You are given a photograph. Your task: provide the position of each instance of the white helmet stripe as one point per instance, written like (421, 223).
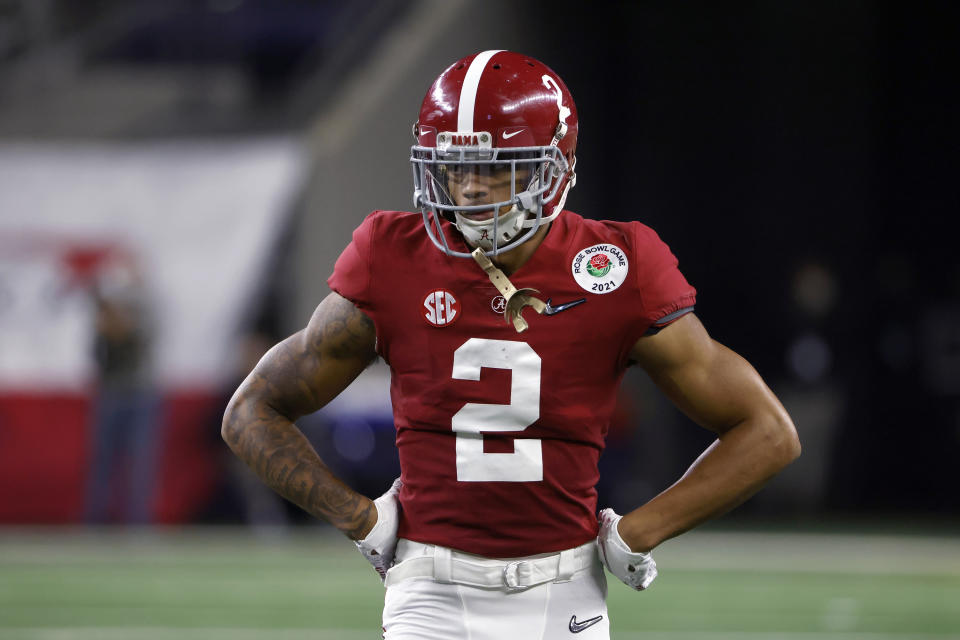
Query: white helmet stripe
(468, 92)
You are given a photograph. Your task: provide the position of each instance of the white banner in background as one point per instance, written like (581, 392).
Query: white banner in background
(199, 218)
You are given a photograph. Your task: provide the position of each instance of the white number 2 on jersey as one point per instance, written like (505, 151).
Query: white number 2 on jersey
(525, 464)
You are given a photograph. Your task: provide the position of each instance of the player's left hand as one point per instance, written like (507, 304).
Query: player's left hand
(636, 569)
(379, 545)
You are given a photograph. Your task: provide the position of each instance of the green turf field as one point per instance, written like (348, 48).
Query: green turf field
(225, 583)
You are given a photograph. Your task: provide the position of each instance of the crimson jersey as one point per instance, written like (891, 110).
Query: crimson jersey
(499, 432)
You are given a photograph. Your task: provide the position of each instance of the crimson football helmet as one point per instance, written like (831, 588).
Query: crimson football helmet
(489, 113)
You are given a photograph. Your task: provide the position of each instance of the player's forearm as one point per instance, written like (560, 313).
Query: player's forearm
(284, 459)
(731, 470)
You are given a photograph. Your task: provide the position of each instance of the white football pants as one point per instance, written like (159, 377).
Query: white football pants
(569, 603)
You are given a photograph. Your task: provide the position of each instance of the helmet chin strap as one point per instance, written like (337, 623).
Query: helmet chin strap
(479, 233)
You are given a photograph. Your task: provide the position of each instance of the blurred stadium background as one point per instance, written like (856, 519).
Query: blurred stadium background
(178, 177)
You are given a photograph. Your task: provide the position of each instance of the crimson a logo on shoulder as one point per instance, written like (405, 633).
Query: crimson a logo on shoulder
(441, 308)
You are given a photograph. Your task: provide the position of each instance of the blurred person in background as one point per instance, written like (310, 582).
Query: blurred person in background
(125, 446)
(492, 530)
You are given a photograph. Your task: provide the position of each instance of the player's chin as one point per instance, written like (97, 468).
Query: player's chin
(477, 216)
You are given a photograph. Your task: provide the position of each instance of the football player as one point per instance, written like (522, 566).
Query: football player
(507, 324)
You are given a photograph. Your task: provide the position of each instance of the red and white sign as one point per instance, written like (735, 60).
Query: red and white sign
(442, 308)
(193, 217)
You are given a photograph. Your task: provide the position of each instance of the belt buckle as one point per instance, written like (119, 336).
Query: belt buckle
(511, 577)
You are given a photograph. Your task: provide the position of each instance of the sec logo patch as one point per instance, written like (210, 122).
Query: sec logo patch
(441, 308)
(601, 268)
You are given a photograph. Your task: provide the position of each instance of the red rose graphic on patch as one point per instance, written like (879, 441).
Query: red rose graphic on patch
(599, 265)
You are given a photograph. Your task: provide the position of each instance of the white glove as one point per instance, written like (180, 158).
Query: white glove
(381, 542)
(635, 569)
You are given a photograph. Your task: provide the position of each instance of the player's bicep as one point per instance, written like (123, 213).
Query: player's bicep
(713, 385)
(304, 372)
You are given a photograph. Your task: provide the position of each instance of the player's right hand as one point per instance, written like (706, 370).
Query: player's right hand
(636, 569)
(379, 545)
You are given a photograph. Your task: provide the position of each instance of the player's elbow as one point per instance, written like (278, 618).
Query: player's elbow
(232, 425)
(783, 441)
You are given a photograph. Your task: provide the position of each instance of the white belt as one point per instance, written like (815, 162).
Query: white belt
(445, 565)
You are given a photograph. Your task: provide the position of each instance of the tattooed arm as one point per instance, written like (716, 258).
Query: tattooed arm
(296, 377)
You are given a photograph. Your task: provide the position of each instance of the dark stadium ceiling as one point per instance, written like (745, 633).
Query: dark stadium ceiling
(159, 67)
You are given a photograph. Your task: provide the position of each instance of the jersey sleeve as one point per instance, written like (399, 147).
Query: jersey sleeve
(353, 272)
(664, 294)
